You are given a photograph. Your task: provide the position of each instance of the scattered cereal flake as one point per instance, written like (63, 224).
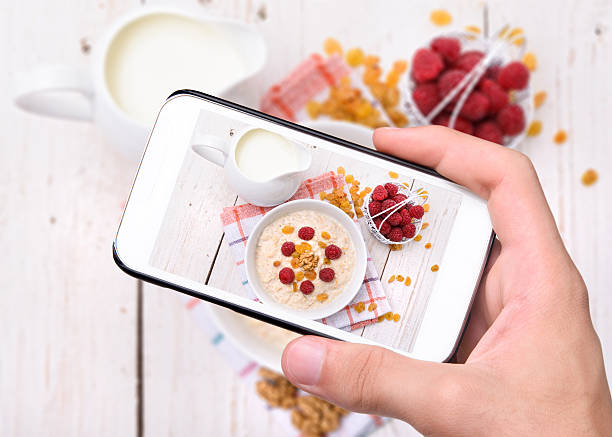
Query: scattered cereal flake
(589, 177)
(395, 247)
(326, 261)
(372, 306)
(514, 32)
(287, 229)
(359, 307)
(418, 237)
(530, 61)
(535, 127)
(435, 268)
(325, 235)
(393, 175)
(389, 315)
(426, 207)
(560, 137)
(408, 281)
(427, 245)
(424, 226)
(440, 17)
(299, 276)
(400, 278)
(473, 29)
(332, 46)
(519, 41)
(322, 297)
(391, 279)
(504, 30)
(322, 245)
(396, 317)
(354, 57)
(295, 286)
(322, 195)
(276, 263)
(381, 318)
(539, 98)
(340, 170)
(348, 178)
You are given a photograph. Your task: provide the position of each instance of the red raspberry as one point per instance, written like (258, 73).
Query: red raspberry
(389, 203)
(446, 47)
(490, 131)
(493, 71)
(286, 275)
(377, 221)
(426, 65)
(396, 234)
(306, 233)
(374, 207)
(498, 97)
(475, 106)
(384, 228)
(416, 211)
(306, 287)
(461, 124)
(448, 81)
(327, 274)
(409, 230)
(391, 189)
(399, 198)
(379, 193)
(513, 76)
(406, 218)
(395, 219)
(287, 248)
(511, 119)
(425, 97)
(333, 252)
(468, 60)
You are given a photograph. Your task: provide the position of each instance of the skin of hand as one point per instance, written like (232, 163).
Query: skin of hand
(530, 362)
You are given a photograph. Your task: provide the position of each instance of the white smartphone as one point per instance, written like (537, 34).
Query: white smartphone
(303, 230)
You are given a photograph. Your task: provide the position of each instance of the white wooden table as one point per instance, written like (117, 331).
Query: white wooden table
(86, 350)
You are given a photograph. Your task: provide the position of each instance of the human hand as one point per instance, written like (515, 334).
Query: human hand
(531, 362)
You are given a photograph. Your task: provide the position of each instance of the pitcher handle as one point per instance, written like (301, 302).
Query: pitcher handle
(210, 147)
(56, 91)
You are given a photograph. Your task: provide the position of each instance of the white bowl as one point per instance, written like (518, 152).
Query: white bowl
(326, 308)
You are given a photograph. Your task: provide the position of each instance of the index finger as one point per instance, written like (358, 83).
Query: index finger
(505, 178)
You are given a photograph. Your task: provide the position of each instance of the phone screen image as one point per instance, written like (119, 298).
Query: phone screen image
(305, 230)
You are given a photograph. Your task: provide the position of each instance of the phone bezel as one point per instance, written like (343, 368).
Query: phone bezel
(322, 136)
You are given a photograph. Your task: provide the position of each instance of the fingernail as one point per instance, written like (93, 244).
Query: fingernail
(304, 360)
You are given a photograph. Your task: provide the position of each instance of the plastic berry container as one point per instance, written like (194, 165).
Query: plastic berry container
(412, 198)
(499, 50)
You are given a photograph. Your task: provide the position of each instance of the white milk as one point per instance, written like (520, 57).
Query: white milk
(161, 53)
(263, 155)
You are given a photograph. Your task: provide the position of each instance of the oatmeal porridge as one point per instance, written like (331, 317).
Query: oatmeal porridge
(304, 259)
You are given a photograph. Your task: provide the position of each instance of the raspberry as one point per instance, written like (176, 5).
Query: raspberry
(425, 97)
(286, 275)
(406, 218)
(333, 252)
(468, 60)
(377, 221)
(306, 233)
(493, 71)
(385, 228)
(391, 189)
(374, 207)
(449, 80)
(426, 65)
(475, 106)
(379, 193)
(511, 119)
(513, 76)
(399, 198)
(490, 131)
(461, 124)
(287, 248)
(396, 234)
(498, 97)
(327, 274)
(389, 203)
(395, 219)
(409, 230)
(416, 211)
(446, 47)
(306, 287)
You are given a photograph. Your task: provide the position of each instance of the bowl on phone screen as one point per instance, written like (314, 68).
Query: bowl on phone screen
(324, 270)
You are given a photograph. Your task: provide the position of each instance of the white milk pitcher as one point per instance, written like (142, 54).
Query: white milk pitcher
(142, 58)
(263, 167)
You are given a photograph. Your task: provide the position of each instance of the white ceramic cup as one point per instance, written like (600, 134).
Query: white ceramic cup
(271, 192)
(72, 93)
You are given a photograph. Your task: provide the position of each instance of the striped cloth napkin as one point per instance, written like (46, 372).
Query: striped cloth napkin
(239, 221)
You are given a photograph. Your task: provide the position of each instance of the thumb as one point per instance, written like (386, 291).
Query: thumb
(371, 379)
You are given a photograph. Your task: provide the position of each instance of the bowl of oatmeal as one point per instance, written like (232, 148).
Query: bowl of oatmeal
(307, 258)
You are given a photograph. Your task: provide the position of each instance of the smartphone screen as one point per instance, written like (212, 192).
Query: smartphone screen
(303, 229)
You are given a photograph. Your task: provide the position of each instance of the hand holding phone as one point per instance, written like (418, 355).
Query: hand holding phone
(533, 362)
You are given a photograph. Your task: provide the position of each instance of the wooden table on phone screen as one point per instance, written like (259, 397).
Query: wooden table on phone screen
(87, 350)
